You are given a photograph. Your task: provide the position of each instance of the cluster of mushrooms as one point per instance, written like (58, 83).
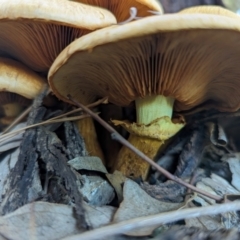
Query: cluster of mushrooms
(127, 51)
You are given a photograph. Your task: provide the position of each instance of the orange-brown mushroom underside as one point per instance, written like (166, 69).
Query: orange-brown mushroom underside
(192, 66)
(37, 43)
(35, 32)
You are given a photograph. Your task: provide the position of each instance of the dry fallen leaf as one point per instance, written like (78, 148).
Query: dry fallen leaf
(218, 186)
(88, 163)
(42, 220)
(117, 179)
(7, 162)
(13, 141)
(234, 165)
(96, 190)
(138, 203)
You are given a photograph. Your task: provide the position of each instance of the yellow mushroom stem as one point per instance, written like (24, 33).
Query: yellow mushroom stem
(152, 107)
(88, 132)
(12, 109)
(5, 121)
(154, 126)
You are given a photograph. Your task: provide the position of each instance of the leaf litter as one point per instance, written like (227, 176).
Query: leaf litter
(49, 168)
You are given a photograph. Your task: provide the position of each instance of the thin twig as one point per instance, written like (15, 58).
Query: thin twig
(116, 136)
(155, 221)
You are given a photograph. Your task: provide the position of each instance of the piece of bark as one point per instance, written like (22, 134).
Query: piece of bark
(191, 154)
(53, 154)
(168, 158)
(169, 191)
(22, 176)
(42, 155)
(74, 143)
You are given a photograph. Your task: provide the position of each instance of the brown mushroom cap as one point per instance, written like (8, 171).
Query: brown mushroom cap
(193, 58)
(35, 32)
(18, 85)
(121, 8)
(16, 78)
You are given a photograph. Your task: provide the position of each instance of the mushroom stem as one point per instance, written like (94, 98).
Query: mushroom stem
(12, 109)
(132, 165)
(154, 126)
(88, 132)
(153, 107)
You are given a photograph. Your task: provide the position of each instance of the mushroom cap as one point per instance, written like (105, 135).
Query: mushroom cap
(35, 32)
(120, 8)
(209, 10)
(193, 58)
(16, 78)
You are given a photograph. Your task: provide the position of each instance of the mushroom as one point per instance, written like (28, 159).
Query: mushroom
(209, 10)
(35, 32)
(163, 63)
(121, 8)
(18, 85)
(11, 106)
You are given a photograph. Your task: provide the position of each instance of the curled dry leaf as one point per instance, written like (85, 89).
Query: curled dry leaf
(217, 134)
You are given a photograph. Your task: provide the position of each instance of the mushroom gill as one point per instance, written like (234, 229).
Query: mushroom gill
(162, 66)
(36, 37)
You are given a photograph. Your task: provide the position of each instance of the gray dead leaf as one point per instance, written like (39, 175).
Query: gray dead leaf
(203, 200)
(96, 191)
(12, 141)
(215, 185)
(117, 179)
(42, 220)
(206, 222)
(88, 163)
(98, 216)
(7, 162)
(39, 220)
(138, 203)
(231, 220)
(234, 165)
(219, 185)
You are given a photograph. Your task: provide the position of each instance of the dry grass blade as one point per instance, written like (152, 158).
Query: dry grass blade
(155, 220)
(4, 137)
(17, 120)
(52, 120)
